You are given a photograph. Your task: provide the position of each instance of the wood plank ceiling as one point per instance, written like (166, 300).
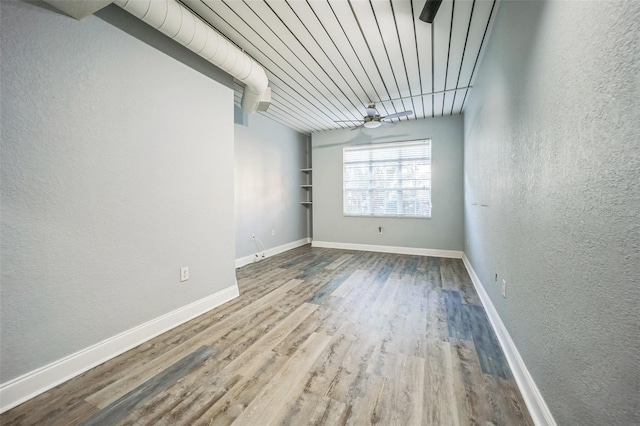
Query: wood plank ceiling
(326, 60)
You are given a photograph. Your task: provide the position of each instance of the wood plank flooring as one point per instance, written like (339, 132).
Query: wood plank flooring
(317, 336)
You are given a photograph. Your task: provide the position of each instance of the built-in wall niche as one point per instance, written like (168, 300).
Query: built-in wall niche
(308, 187)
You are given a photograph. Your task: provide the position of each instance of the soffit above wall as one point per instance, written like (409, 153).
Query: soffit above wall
(79, 9)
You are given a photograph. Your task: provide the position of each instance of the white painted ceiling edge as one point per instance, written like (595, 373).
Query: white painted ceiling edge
(178, 23)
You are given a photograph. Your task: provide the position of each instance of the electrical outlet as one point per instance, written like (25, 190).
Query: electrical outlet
(504, 288)
(184, 274)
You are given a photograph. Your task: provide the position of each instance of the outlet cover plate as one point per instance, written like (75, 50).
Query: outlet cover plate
(184, 274)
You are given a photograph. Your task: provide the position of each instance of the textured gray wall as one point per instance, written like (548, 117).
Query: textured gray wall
(443, 231)
(268, 159)
(552, 147)
(133, 26)
(116, 171)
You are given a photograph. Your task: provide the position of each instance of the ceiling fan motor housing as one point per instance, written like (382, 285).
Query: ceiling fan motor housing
(372, 111)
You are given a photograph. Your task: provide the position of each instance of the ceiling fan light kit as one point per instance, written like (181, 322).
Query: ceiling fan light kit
(372, 124)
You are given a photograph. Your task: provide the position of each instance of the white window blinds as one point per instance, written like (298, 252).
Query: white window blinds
(388, 180)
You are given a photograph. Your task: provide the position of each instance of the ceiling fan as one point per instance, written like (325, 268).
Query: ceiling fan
(373, 118)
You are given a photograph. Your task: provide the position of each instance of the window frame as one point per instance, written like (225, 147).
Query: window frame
(398, 189)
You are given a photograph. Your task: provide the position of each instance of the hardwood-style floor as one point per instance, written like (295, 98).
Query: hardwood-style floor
(317, 336)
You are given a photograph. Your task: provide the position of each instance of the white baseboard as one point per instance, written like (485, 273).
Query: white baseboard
(538, 408)
(270, 252)
(29, 385)
(390, 249)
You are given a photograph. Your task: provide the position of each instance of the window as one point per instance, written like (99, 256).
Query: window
(388, 180)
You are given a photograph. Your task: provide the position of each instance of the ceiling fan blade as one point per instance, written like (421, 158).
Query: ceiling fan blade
(347, 121)
(387, 124)
(397, 114)
(357, 127)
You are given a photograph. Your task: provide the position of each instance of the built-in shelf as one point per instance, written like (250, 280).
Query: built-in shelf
(307, 186)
